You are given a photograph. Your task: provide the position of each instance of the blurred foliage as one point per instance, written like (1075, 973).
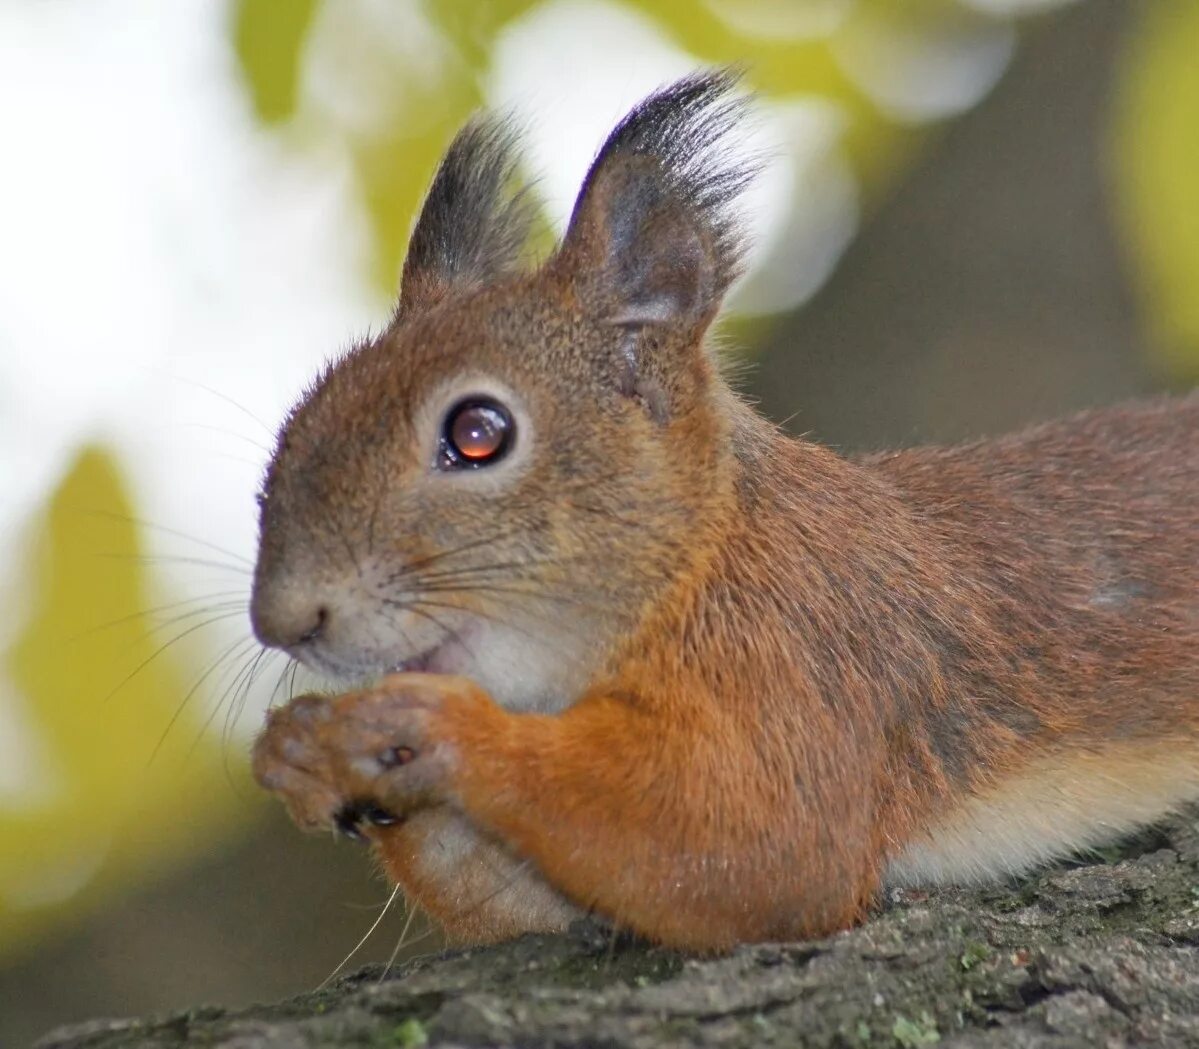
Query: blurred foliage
(268, 37)
(394, 161)
(126, 783)
(1156, 152)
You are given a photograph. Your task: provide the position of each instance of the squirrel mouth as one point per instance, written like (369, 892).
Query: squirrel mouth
(447, 656)
(418, 664)
(421, 663)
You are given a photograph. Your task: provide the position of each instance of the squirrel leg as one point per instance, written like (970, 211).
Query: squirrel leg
(475, 888)
(675, 825)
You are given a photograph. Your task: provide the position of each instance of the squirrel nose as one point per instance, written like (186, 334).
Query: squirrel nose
(283, 617)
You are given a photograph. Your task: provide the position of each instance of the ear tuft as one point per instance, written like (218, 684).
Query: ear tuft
(655, 217)
(472, 227)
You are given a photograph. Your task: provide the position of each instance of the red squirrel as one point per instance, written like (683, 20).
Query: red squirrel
(640, 653)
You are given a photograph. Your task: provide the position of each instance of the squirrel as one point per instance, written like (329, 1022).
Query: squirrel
(638, 652)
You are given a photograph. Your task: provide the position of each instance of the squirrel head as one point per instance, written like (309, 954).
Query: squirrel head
(500, 482)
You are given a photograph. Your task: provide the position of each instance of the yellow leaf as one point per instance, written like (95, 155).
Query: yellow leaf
(116, 794)
(268, 37)
(1156, 140)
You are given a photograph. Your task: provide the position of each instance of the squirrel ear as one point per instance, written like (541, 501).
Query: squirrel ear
(471, 228)
(652, 239)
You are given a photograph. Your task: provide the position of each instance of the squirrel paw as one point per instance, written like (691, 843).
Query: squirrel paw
(387, 741)
(290, 761)
(362, 759)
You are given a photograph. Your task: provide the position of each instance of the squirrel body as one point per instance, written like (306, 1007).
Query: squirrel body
(655, 659)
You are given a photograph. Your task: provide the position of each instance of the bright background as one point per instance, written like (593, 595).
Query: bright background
(979, 212)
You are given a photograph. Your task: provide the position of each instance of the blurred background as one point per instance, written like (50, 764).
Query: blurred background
(979, 213)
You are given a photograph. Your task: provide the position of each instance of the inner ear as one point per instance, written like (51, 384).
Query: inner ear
(659, 268)
(652, 262)
(653, 239)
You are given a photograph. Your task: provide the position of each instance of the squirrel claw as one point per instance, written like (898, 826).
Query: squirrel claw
(379, 816)
(346, 822)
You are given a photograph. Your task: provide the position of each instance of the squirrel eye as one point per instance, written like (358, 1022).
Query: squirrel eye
(476, 433)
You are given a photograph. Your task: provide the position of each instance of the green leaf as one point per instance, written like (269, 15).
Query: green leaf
(268, 36)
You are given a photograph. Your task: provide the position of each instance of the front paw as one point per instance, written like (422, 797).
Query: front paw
(362, 759)
(389, 744)
(289, 760)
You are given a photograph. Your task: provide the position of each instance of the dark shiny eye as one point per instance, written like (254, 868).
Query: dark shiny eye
(476, 432)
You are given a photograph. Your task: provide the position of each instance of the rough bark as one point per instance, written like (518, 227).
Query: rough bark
(1105, 954)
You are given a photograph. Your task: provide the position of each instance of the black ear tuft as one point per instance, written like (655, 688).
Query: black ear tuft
(655, 217)
(472, 227)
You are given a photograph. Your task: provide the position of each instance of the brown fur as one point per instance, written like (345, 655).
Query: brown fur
(748, 680)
